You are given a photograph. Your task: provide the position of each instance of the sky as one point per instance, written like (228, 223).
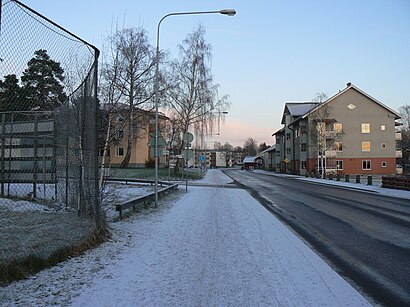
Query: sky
(270, 52)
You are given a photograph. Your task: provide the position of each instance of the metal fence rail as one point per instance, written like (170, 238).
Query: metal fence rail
(49, 193)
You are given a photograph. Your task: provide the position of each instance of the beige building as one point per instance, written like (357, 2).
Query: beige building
(350, 133)
(144, 130)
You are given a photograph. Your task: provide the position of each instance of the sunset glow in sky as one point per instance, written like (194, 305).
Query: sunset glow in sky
(271, 51)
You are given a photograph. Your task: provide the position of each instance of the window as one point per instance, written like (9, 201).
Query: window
(339, 164)
(288, 151)
(366, 146)
(383, 127)
(365, 128)
(101, 152)
(383, 145)
(302, 129)
(384, 164)
(338, 127)
(302, 164)
(120, 134)
(351, 106)
(287, 136)
(366, 165)
(339, 146)
(303, 147)
(120, 151)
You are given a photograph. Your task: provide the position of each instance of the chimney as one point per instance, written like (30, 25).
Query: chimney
(348, 84)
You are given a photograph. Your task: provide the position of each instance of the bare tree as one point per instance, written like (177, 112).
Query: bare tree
(325, 133)
(250, 147)
(405, 136)
(130, 78)
(405, 116)
(111, 98)
(320, 97)
(193, 98)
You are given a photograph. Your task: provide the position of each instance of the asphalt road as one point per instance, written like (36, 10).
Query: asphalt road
(364, 236)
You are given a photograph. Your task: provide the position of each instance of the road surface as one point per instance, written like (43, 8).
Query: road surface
(364, 235)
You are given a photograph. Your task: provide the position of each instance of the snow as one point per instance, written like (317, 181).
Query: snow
(210, 246)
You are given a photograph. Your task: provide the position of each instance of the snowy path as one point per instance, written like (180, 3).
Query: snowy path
(214, 246)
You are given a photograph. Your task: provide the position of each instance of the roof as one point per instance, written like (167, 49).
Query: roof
(297, 109)
(351, 86)
(269, 149)
(249, 159)
(280, 130)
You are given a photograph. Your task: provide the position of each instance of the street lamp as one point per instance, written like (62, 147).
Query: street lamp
(228, 12)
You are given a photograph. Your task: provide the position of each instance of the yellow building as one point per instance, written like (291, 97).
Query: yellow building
(141, 132)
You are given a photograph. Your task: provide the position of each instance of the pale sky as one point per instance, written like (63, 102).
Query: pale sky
(271, 51)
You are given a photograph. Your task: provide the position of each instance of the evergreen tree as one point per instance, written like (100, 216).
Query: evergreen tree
(42, 82)
(10, 94)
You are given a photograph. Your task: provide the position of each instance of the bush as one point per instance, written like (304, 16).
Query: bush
(150, 163)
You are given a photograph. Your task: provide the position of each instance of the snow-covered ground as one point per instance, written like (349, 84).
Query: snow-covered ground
(210, 246)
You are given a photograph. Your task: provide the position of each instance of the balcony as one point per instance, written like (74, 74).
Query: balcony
(399, 153)
(331, 153)
(398, 136)
(330, 134)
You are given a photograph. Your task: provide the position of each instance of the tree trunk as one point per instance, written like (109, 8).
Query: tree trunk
(126, 161)
(106, 144)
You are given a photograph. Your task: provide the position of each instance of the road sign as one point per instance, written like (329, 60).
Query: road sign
(202, 158)
(188, 137)
(188, 154)
(286, 160)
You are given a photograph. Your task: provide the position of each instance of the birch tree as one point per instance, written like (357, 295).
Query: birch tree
(193, 98)
(324, 134)
(130, 77)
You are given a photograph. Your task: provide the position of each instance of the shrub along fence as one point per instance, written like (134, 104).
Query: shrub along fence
(396, 182)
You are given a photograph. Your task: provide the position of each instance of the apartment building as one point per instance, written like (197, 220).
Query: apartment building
(349, 133)
(143, 131)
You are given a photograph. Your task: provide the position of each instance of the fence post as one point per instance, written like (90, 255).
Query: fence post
(35, 149)
(186, 186)
(338, 177)
(10, 153)
(357, 178)
(369, 180)
(347, 179)
(3, 141)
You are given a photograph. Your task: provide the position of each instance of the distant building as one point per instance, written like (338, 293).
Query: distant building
(212, 158)
(267, 159)
(249, 162)
(351, 133)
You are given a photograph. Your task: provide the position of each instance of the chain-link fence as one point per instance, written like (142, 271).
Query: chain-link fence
(49, 194)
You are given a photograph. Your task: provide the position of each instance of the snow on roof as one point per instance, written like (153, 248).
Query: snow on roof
(249, 159)
(269, 149)
(297, 109)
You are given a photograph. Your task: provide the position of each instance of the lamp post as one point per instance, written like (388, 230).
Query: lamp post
(228, 12)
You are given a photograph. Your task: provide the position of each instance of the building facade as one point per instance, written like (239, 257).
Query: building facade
(349, 133)
(143, 131)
